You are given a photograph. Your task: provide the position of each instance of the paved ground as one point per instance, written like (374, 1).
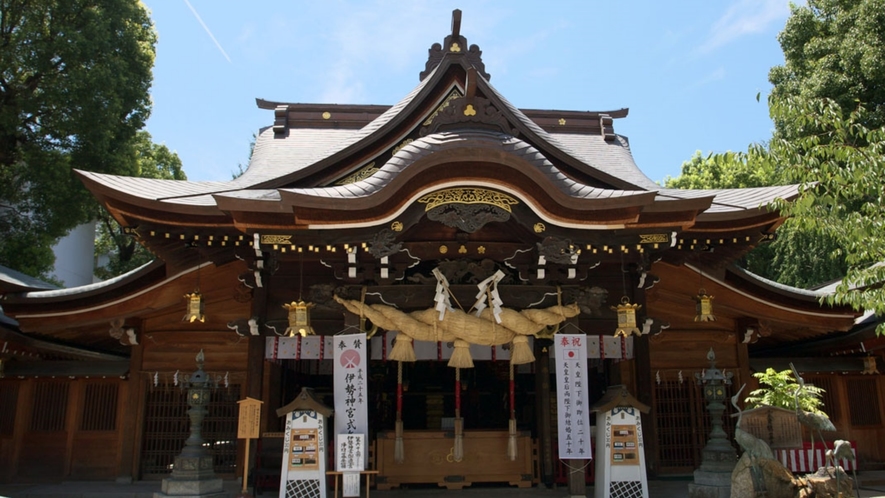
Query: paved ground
(872, 486)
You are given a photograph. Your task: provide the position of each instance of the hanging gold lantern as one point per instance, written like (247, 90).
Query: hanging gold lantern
(299, 318)
(626, 318)
(869, 365)
(704, 307)
(194, 307)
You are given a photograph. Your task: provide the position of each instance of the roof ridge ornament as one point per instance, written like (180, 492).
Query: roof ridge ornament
(454, 44)
(469, 110)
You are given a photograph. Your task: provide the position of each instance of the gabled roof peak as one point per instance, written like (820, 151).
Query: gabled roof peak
(454, 45)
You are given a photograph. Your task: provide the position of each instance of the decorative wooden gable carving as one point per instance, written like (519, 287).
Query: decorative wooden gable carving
(467, 209)
(469, 110)
(454, 44)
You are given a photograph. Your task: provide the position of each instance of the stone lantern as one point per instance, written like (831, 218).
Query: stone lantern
(713, 478)
(193, 473)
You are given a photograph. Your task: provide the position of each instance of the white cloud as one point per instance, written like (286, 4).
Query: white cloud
(208, 32)
(717, 75)
(745, 17)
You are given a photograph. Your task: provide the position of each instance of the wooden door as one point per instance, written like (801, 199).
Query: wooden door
(682, 423)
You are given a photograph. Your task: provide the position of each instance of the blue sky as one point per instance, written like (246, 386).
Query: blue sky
(689, 71)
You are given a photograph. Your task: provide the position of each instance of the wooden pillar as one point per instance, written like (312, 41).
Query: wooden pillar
(577, 483)
(644, 389)
(542, 407)
(132, 418)
(22, 421)
(255, 370)
(743, 358)
(255, 367)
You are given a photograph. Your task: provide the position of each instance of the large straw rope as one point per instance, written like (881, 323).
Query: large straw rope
(424, 325)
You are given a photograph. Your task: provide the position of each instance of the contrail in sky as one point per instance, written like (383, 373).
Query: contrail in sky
(207, 29)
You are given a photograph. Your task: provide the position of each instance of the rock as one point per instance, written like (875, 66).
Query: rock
(777, 480)
(822, 484)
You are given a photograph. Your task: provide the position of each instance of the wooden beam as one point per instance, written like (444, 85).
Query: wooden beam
(542, 410)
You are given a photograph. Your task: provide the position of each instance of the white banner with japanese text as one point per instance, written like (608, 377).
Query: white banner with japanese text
(572, 397)
(351, 384)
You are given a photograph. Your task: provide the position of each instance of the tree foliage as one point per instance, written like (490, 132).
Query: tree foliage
(779, 388)
(124, 253)
(718, 171)
(833, 49)
(801, 257)
(828, 106)
(74, 81)
(839, 163)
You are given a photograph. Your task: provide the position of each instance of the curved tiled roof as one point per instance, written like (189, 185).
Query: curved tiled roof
(283, 155)
(94, 288)
(438, 142)
(613, 157)
(273, 157)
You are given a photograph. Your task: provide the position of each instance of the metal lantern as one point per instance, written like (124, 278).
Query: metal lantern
(704, 307)
(869, 366)
(626, 318)
(299, 318)
(194, 307)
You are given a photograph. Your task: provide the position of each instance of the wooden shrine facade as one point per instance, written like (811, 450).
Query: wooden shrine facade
(373, 205)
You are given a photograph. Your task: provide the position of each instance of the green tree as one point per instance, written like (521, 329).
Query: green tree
(123, 251)
(828, 106)
(718, 171)
(839, 163)
(834, 63)
(74, 81)
(779, 388)
(801, 257)
(833, 49)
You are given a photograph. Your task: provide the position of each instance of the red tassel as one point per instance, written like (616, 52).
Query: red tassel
(512, 395)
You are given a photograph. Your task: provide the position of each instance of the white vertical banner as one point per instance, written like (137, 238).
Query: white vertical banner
(351, 384)
(573, 408)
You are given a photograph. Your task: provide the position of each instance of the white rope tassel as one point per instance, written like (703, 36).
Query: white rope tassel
(442, 296)
(488, 291)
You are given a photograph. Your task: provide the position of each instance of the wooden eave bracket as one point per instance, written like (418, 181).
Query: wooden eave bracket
(280, 122)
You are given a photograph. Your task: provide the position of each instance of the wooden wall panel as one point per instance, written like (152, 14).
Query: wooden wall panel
(9, 396)
(95, 455)
(170, 351)
(7, 456)
(870, 439)
(687, 351)
(219, 310)
(43, 456)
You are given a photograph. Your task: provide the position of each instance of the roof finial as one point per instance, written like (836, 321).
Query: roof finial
(454, 44)
(456, 24)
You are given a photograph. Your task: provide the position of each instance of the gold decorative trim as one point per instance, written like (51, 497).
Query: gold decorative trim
(455, 48)
(654, 238)
(454, 94)
(540, 228)
(276, 239)
(401, 145)
(396, 226)
(359, 175)
(468, 196)
(327, 115)
(443, 249)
